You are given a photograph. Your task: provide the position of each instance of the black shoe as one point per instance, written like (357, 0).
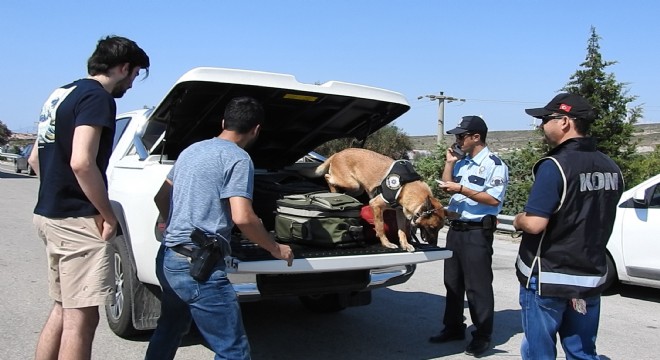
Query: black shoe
(477, 347)
(446, 336)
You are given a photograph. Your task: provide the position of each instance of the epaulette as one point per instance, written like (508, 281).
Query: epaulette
(495, 159)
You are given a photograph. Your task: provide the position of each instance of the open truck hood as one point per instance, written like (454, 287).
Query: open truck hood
(299, 117)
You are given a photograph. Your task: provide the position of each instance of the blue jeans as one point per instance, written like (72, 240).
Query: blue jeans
(543, 317)
(212, 304)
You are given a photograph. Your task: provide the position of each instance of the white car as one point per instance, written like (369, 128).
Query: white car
(634, 246)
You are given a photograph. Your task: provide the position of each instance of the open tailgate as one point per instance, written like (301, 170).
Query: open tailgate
(337, 263)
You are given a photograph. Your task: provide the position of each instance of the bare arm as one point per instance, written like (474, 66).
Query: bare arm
(250, 225)
(162, 199)
(83, 163)
(33, 160)
(481, 197)
(529, 223)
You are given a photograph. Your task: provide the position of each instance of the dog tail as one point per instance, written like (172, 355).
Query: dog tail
(315, 172)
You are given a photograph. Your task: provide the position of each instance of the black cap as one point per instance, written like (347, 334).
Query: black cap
(472, 123)
(572, 105)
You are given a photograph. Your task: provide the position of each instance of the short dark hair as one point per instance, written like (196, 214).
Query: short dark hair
(582, 126)
(116, 50)
(242, 114)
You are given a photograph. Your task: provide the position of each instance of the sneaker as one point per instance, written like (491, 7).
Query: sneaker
(477, 347)
(446, 336)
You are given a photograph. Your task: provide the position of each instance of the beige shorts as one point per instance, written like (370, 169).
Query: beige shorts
(80, 269)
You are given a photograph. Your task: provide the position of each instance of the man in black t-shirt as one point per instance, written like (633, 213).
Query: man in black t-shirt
(73, 215)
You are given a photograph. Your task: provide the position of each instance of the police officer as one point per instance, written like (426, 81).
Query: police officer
(477, 178)
(566, 223)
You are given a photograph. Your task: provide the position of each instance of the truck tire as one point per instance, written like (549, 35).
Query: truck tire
(31, 171)
(16, 169)
(120, 312)
(324, 303)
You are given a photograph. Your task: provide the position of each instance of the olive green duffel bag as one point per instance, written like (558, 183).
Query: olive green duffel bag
(319, 219)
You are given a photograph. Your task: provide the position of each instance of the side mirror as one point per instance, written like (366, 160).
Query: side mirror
(640, 197)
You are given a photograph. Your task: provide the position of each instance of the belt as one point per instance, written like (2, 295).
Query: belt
(466, 225)
(183, 250)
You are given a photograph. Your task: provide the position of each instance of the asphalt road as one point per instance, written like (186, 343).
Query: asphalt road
(395, 326)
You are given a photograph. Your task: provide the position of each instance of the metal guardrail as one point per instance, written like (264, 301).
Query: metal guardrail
(505, 223)
(9, 155)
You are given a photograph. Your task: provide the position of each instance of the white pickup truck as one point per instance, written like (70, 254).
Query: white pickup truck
(299, 118)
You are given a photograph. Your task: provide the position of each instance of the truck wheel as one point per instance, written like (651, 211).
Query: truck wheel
(325, 303)
(30, 171)
(16, 169)
(612, 277)
(120, 312)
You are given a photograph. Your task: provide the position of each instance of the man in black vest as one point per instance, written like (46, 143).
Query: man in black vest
(566, 224)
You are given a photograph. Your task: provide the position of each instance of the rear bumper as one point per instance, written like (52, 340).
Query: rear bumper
(247, 288)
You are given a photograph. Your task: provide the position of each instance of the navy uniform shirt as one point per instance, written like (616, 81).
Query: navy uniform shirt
(485, 173)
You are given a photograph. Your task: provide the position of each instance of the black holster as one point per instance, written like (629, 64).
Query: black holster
(205, 255)
(489, 222)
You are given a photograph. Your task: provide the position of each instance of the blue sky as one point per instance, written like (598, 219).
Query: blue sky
(501, 56)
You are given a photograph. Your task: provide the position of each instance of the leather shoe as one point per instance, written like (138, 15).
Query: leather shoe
(477, 347)
(446, 336)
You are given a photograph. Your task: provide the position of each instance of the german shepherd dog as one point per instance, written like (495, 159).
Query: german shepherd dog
(354, 171)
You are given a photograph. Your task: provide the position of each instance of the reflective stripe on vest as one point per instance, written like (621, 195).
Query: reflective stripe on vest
(561, 279)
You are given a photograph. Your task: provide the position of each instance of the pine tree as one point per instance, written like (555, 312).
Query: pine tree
(613, 128)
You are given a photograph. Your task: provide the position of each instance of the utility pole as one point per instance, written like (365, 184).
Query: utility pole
(441, 110)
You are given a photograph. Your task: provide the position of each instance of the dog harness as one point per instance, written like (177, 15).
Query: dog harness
(400, 173)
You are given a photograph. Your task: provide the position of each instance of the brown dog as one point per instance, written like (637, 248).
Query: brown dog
(354, 171)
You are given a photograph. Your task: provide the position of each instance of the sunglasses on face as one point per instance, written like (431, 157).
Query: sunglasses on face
(545, 119)
(463, 136)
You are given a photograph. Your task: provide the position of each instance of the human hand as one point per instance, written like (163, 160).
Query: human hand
(451, 156)
(107, 227)
(283, 252)
(109, 230)
(448, 186)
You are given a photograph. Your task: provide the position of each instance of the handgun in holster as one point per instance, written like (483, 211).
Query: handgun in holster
(206, 255)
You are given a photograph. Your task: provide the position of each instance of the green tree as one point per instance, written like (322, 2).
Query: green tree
(389, 140)
(613, 128)
(520, 163)
(430, 168)
(5, 134)
(642, 167)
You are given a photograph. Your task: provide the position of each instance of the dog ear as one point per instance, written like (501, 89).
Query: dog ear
(428, 204)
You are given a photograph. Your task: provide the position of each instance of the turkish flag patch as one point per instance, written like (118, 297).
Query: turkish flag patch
(565, 107)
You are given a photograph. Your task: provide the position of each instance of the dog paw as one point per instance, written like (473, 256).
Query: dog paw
(390, 245)
(410, 248)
